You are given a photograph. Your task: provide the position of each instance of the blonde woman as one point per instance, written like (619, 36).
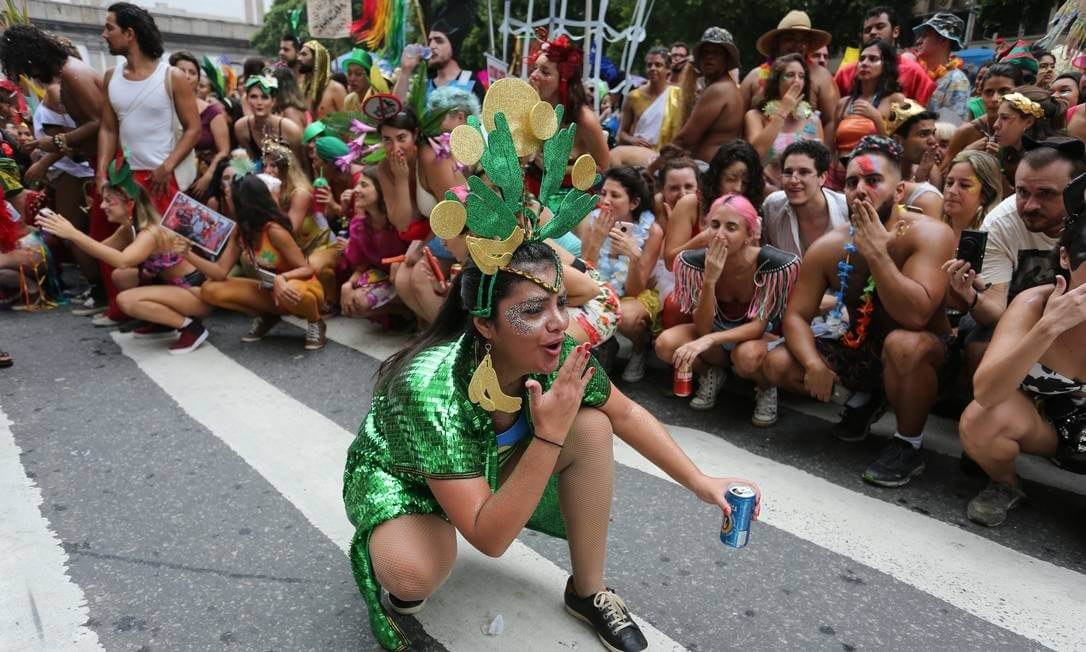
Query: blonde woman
(157, 283)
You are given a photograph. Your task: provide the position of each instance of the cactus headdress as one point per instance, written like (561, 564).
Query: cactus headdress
(515, 123)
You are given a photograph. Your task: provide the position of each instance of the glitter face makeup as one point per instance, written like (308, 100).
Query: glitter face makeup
(525, 317)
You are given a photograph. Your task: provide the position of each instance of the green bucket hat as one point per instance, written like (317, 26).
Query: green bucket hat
(358, 57)
(314, 129)
(329, 148)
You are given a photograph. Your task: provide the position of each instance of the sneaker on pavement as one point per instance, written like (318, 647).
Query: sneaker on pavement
(103, 320)
(89, 307)
(856, 422)
(314, 335)
(990, 506)
(608, 615)
(404, 607)
(765, 407)
(898, 463)
(635, 368)
(148, 331)
(192, 336)
(709, 385)
(262, 325)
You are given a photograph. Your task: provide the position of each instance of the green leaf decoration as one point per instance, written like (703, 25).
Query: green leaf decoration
(502, 164)
(338, 124)
(488, 216)
(575, 206)
(375, 157)
(295, 18)
(556, 158)
(431, 123)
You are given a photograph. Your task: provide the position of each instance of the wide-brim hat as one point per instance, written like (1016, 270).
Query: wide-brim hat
(796, 22)
(722, 37)
(946, 25)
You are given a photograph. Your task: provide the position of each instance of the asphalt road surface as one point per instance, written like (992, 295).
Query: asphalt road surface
(158, 502)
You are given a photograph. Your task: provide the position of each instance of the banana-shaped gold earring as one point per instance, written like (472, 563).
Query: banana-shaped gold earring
(485, 390)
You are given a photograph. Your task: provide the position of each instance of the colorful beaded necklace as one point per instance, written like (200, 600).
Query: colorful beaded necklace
(867, 306)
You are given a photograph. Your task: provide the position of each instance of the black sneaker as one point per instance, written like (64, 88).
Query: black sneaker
(856, 422)
(898, 463)
(404, 607)
(608, 615)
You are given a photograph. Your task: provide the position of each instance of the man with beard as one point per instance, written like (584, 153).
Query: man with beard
(324, 94)
(289, 45)
(27, 50)
(885, 269)
(443, 69)
(717, 116)
(794, 35)
(678, 57)
(881, 23)
(1022, 231)
(913, 128)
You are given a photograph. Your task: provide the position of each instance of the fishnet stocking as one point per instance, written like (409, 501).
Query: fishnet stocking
(412, 555)
(585, 480)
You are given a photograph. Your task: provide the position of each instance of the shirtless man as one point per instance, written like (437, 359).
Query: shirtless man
(325, 95)
(896, 339)
(717, 116)
(795, 36)
(80, 98)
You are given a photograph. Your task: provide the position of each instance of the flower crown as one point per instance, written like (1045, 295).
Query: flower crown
(514, 123)
(1024, 105)
(567, 58)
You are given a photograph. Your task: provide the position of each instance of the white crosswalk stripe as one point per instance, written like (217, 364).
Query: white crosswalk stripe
(1031, 597)
(40, 607)
(301, 453)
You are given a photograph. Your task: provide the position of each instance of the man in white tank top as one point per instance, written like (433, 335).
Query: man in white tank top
(139, 116)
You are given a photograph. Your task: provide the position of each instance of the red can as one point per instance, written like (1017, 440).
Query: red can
(683, 382)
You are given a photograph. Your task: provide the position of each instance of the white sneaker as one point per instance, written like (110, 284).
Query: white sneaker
(103, 320)
(90, 307)
(765, 407)
(709, 386)
(635, 368)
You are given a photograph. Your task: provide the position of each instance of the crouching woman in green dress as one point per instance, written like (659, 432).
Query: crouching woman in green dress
(448, 447)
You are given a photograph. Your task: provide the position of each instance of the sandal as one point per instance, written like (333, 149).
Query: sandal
(5, 360)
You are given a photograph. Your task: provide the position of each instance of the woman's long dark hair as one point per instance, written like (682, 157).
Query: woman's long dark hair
(454, 320)
(887, 83)
(634, 184)
(730, 152)
(576, 98)
(773, 84)
(254, 207)
(289, 94)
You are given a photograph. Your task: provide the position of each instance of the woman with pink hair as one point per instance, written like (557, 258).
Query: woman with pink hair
(736, 289)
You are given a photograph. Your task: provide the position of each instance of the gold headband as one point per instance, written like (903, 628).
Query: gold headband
(1023, 104)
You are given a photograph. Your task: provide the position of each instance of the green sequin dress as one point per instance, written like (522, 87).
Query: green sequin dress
(423, 426)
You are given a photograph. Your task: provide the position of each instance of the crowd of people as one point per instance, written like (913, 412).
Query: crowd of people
(904, 233)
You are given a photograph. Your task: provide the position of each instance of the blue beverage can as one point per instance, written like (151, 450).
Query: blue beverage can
(735, 531)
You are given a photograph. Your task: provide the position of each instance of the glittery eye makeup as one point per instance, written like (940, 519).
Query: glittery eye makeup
(527, 317)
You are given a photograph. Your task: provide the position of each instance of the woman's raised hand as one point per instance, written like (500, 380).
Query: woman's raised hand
(56, 224)
(553, 411)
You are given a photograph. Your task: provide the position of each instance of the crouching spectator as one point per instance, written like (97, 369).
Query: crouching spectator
(1029, 396)
(737, 292)
(372, 239)
(885, 269)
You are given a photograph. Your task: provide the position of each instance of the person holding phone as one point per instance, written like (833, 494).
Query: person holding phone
(973, 188)
(283, 283)
(1029, 394)
(623, 243)
(157, 284)
(736, 289)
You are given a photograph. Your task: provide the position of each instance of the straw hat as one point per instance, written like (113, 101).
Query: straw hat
(796, 22)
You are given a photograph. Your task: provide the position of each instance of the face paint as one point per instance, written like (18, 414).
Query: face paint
(524, 317)
(867, 165)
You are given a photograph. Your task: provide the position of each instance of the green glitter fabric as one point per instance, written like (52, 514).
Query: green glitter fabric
(423, 426)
